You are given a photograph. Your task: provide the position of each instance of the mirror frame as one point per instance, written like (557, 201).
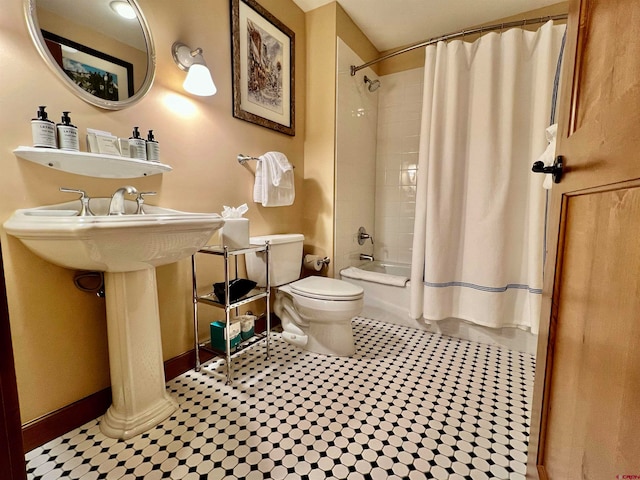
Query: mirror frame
(36, 35)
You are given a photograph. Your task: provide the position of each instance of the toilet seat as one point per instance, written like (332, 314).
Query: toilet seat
(323, 288)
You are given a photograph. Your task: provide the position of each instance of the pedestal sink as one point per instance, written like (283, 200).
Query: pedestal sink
(127, 248)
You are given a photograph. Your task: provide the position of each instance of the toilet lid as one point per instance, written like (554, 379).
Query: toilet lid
(327, 288)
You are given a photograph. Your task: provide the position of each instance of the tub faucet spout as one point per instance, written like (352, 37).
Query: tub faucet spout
(116, 206)
(364, 256)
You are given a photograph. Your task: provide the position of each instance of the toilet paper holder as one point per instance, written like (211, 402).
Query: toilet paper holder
(316, 262)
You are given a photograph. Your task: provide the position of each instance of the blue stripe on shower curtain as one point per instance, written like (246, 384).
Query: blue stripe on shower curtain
(484, 288)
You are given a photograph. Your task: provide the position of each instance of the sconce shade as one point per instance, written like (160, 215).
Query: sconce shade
(199, 81)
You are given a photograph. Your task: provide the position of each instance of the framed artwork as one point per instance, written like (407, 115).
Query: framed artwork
(98, 73)
(263, 51)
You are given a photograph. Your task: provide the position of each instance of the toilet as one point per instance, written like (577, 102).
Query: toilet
(315, 312)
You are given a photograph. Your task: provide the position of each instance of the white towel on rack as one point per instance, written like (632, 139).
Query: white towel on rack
(257, 184)
(274, 184)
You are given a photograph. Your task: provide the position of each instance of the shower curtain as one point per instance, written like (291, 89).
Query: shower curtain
(478, 236)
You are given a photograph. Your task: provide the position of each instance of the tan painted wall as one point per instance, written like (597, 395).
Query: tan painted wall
(415, 58)
(59, 333)
(320, 142)
(324, 25)
(349, 32)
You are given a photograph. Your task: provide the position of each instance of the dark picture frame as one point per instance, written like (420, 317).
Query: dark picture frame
(263, 67)
(98, 73)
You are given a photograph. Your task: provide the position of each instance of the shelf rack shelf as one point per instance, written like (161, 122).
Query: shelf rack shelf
(91, 164)
(211, 299)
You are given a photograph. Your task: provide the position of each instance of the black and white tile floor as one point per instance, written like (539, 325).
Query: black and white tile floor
(409, 404)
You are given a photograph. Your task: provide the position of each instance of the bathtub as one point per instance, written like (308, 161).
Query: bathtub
(385, 302)
(390, 303)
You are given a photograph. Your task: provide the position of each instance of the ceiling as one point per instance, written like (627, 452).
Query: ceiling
(390, 24)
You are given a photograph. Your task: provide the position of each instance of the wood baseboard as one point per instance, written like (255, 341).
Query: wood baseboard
(46, 428)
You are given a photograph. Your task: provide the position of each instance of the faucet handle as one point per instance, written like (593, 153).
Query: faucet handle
(82, 193)
(363, 235)
(85, 211)
(141, 195)
(140, 201)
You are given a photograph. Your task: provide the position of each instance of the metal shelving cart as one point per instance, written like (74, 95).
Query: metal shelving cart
(228, 305)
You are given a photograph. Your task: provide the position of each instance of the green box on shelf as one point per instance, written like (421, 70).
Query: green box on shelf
(218, 338)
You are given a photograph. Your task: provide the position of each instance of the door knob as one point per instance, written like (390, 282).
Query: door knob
(555, 170)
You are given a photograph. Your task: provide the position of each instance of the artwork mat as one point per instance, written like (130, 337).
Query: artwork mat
(243, 108)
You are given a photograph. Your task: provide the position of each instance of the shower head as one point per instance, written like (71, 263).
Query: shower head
(373, 84)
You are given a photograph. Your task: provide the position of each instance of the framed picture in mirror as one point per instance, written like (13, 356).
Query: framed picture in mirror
(97, 73)
(263, 52)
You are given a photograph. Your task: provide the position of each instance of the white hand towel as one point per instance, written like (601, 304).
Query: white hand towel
(257, 185)
(277, 180)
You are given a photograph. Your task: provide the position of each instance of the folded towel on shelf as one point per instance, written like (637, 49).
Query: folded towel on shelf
(376, 277)
(274, 184)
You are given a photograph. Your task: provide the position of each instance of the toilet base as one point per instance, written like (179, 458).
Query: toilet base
(331, 339)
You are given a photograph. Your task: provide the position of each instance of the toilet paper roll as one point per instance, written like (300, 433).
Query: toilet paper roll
(313, 262)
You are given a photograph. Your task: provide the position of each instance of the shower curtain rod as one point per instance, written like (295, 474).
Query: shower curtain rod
(462, 33)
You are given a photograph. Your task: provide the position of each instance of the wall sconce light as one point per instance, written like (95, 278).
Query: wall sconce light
(198, 81)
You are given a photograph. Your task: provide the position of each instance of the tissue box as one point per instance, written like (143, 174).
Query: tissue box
(218, 337)
(235, 233)
(247, 325)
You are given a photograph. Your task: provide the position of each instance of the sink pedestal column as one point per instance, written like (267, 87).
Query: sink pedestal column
(140, 398)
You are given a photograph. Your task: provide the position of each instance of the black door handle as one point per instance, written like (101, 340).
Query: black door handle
(555, 170)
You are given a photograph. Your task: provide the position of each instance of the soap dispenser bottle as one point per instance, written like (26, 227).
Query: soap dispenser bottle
(153, 148)
(137, 145)
(67, 134)
(43, 130)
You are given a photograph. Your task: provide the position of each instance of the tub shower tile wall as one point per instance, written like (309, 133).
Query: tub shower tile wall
(356, 124)
(408, 404)
(398, 141)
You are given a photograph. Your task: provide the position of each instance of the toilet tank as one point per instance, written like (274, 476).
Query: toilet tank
(286, 259)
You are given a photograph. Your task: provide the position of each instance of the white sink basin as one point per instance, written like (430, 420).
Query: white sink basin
(117, 243)
(126, 248)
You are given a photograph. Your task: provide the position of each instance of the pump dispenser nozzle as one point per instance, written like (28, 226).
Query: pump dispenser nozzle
(42, 114)
(66, 120)
(136, 132)
(150, 136)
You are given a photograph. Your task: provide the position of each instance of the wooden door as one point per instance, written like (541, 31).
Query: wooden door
(586, 407)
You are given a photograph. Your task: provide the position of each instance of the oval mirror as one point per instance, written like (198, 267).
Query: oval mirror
(106, 59)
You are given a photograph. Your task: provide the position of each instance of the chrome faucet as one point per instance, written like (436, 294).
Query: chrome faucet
(116, 206)
(364, 256)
